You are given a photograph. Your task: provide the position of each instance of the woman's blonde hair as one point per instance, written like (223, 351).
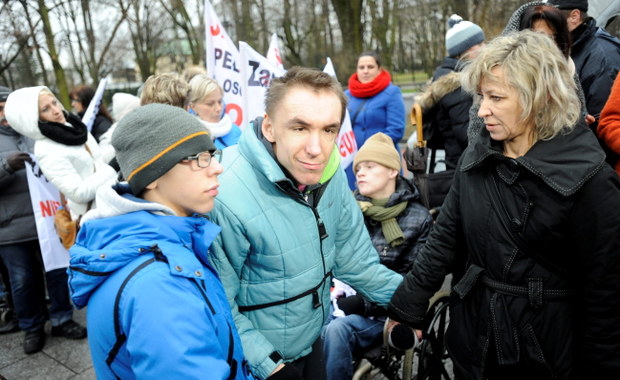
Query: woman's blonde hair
(200, 86)
(168, 88)
(533, 65)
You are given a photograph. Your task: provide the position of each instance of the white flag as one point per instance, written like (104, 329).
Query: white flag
(273, 54)
(257, 73)
(45, 201)
(93, 108)
(223, 63)
(346, 139)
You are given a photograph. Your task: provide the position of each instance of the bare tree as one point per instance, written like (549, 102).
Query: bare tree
(59, 72)
(16, 39)
(383, 23)
(194, 36)
(147, 26)
(349, 15)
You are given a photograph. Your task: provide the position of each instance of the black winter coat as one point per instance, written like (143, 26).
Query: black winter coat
(596, 54)
(563, 202)
(17, 222)
(447, 105)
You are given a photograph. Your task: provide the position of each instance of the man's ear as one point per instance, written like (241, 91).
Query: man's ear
(267, 129)
(574, 18)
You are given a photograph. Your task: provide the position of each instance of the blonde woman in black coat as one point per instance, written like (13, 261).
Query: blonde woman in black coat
(535, 213)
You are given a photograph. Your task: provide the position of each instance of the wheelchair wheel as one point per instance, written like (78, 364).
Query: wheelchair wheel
(433, 360)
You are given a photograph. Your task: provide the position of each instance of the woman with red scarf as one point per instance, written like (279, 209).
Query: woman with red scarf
(375, 104)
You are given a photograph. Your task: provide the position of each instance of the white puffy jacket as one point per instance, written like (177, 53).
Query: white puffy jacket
(71, 169)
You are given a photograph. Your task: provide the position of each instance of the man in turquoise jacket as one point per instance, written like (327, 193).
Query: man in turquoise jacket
(290, 223)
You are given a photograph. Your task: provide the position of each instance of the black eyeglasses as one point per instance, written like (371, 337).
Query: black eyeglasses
(204, 158)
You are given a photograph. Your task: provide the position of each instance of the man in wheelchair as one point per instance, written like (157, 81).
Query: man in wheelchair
(398, 225)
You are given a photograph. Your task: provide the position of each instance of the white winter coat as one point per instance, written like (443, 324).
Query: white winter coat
(71, 169)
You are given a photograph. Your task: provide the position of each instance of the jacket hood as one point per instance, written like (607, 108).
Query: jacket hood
(107, 244)
(22, 111)
(438, 89)
(564, 163)
(515, 20)
(405, 192)
(118, 200)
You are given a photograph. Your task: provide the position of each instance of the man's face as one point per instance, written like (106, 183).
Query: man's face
(3, 121)
(303, 130)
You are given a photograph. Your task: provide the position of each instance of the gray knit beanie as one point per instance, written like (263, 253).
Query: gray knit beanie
(582, 5)
(462, 35)
(150, 140)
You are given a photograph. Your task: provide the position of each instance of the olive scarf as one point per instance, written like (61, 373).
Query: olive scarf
(376, 210)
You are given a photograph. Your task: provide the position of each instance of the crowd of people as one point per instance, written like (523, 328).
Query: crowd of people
(208, 249)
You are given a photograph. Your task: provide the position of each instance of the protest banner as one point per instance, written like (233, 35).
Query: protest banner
(45, 201)
(223, 62)
(346, 139)
(257, 73)
(93, 107)
(273, 53)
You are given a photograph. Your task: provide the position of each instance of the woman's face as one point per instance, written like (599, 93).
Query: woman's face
(367, 69)
(501, 110)
(543, 27)
(50, 109)
(210, 107)
(77, 105)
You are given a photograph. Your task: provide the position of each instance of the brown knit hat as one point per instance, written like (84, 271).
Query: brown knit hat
(378, 148)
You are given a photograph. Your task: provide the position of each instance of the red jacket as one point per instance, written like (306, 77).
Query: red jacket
(608, 128)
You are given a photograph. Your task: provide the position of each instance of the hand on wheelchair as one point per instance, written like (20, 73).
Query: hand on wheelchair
(402, 337)
(352, 305)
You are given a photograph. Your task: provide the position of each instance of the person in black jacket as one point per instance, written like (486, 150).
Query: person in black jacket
(81, 96)
(596, 54)
(444, 102)
(535, 212)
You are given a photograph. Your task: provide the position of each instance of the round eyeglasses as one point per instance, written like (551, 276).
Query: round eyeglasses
(203, 159)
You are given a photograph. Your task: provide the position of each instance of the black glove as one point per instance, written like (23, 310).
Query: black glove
(16, 160)
(401, 337)
(288, 372)
(352, 305)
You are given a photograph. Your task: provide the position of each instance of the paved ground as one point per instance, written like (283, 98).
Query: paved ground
(60, 359)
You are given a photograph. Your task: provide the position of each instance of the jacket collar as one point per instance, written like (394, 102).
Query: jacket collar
(582, 33)
(564, 163)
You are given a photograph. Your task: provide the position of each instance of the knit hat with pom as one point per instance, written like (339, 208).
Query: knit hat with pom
(462, 35)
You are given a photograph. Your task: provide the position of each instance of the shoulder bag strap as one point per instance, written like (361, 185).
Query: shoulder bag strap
(357, 112)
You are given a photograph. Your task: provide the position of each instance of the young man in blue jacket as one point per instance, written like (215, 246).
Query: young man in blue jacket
(156, 309)
(290, 223)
